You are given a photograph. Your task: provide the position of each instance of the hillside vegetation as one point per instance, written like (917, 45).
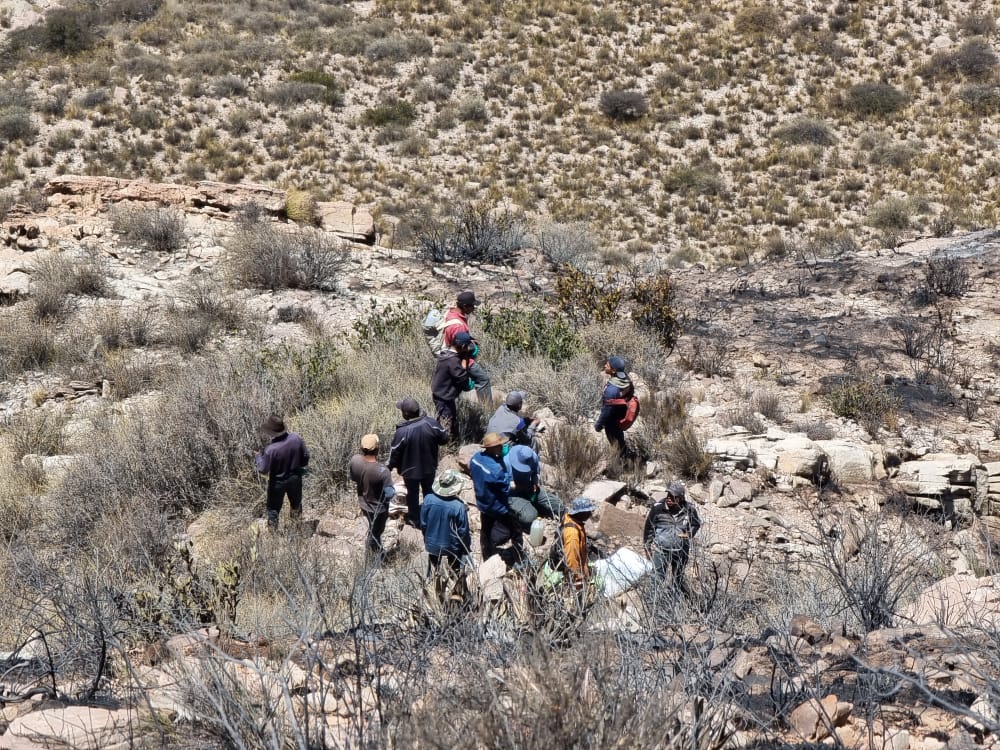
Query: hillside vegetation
(715, 132)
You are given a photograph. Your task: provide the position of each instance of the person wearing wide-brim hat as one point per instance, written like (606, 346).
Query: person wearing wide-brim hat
(574, 541)
(445, 521)
(491, 481)
(284, 459)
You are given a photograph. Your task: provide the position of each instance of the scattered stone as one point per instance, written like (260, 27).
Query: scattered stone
(620, 523)
(77, 727)
(604, 491)
(806, 628)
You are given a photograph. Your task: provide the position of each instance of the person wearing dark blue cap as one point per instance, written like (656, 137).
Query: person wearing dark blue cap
(451, 378)
(614, 404)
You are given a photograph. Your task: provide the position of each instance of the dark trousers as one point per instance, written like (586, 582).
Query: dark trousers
(277, 488)
(496, 531)
(616, 436)
(671, 563)
(414, 486)
(376, 525)
(447, 415)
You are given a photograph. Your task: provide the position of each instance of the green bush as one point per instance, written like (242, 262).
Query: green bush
(334, 96)
(686, 455)
(531, 330)
(623, 106)
(874, 99)
(870, 403)
(68, 30)
(392, 111)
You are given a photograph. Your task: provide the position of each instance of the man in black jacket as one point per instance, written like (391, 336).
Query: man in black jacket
(451, 378)
(670, 526)
(414, 454)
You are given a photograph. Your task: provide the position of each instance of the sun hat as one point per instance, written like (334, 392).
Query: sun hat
(522, 459)
(581, 505)
(617, 363)
(494, 439)
(273, 426)
(448, 484)
(515, 400)
(408, 405)
(369, 442)
(468, 297)
(462, 338)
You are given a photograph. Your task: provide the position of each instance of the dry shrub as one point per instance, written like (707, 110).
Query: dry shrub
(300, 207)
(662, 414)
(623, 106)
(686, 455)
(38, 431)
(262, 256)
(572, 389)
(758, 21)
(576, 450)
(871, 403)
(26, 344)
(710, 354)
(56, 277)
(644, 354)
(573, 243)
(158, 229)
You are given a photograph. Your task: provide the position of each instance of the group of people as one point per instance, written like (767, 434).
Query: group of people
(505, 473)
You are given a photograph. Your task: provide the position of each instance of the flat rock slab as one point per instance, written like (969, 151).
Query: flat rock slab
(604, 491)
(77, 727)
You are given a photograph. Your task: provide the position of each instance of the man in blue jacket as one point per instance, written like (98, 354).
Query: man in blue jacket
(414, 454)
(445, 521)
(491, 480)
(617, 391)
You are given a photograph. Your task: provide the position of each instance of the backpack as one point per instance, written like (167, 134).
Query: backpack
(668, 535)
(631, 404)
(631, 412)
(434, 327)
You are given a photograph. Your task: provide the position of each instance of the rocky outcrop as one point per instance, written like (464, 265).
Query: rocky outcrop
(218, 199)
(955, 484)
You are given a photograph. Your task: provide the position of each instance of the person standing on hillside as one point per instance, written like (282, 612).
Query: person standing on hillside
(670, 526)
(414, 454)
(614, 404)
(445, 521)
(284, 460)
(375, 489)
(451, 378)
(456, 322)
(491, 480)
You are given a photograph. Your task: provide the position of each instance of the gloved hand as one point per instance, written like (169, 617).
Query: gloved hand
(475, 351)
(471, 385)
(598, 427)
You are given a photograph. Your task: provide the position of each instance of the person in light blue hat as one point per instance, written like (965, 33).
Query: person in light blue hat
(525, 467)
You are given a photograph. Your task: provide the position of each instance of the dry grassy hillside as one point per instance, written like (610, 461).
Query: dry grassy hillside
(722, 131)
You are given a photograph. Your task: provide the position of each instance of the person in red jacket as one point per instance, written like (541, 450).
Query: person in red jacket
(456, 321)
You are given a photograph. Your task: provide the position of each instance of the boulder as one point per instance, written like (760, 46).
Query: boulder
(465, 454)
(814, 719)
(798, 456)
(809, 630)
(491, 573)
(77, 727)
(730, 450)
(621, 523)
(850, 463)
(348, 221)
(957, 601)
(604, 491)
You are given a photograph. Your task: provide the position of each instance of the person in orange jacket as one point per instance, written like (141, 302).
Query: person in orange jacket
(574, 541)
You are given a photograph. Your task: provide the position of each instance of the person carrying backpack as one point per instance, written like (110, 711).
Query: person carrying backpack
(574, 542)
(617, 400)
(451, 378)
(670, 526)
(456, 321)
